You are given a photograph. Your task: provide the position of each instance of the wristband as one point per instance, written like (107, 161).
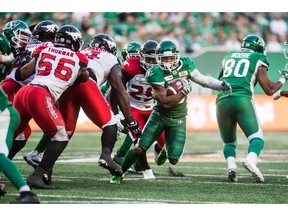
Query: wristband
(282, 80)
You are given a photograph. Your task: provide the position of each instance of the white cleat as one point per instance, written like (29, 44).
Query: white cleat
(253, 169)
(148, 174)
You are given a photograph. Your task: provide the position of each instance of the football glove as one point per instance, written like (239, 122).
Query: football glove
(134, 127)
(17, 51)
(186, 86)
(277, 95)
(118, 118)
(226, 87)
(284, 73)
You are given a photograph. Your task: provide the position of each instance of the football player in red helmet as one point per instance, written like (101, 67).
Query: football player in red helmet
(140, 95)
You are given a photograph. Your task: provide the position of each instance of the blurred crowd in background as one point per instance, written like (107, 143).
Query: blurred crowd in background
(192, 31)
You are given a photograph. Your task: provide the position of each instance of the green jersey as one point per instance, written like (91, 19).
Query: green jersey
(4, 50)
(3, 100)
(159, 77)
(240, 71)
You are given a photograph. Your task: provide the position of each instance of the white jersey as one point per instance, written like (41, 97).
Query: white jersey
(140, 100)
(29, 48)
(57, 68)
(101, 62)
(139, 91)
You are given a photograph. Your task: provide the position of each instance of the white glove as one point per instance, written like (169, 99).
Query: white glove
(187, 86)
(277, 95)
(226, 87)
(7, 59)
(118, 118)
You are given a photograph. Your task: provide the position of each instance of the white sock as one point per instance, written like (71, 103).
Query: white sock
(24, 188)
(231, 163)
(252, 156)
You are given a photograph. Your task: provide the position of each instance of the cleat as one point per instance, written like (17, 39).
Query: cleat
(2, 189)
(33, 158)
(47, 177)
(253, 169)
(148, 174)
(26, 197)
(116, 179)
(232, 175)
(106, 162)
(172, 172)
(162, 157)
(136, 168)
(35, 180)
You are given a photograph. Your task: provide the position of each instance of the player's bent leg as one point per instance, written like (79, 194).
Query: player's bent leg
(108, 140)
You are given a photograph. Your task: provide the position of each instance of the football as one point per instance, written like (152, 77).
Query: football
(174, 88)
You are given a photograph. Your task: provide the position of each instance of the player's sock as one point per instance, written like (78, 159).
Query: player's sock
(126, 145)
(16, 147)
(157, 148)
(43, 143)
(108, 138)
(128, 160)
(143, 161)
(256, 145)
(229, 151)
(51, 154)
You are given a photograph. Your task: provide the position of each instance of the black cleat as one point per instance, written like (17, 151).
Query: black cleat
(47, 177)
(26, 197)
(35, 180)
(106, 162)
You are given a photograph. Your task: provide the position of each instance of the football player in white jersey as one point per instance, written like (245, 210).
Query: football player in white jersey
(56, 68)
(103, 65)
(43, 34)
(140, 95)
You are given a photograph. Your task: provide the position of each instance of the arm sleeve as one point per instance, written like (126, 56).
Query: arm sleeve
(205, 81)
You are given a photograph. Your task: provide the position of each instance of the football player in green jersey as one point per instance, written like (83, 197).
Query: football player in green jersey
(6, 56)
(9, 121)
(243, 70)
(169, 112)
(284, 73)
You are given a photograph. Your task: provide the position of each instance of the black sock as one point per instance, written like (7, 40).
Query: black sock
(16, 147)
(143, 161)
(51, 154)
(108, 138)
(157, 148)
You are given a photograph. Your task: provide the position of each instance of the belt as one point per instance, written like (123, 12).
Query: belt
(43, 86)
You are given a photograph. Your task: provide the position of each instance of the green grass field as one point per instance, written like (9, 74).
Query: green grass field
(79, 180)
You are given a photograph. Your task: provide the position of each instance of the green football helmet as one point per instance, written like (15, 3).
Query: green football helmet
(167, 55)
(130, 49)
(254, 43)
(18, 33)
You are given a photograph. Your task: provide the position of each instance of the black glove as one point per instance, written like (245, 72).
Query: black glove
(134, 127)
(25, 57)
(17, 51)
